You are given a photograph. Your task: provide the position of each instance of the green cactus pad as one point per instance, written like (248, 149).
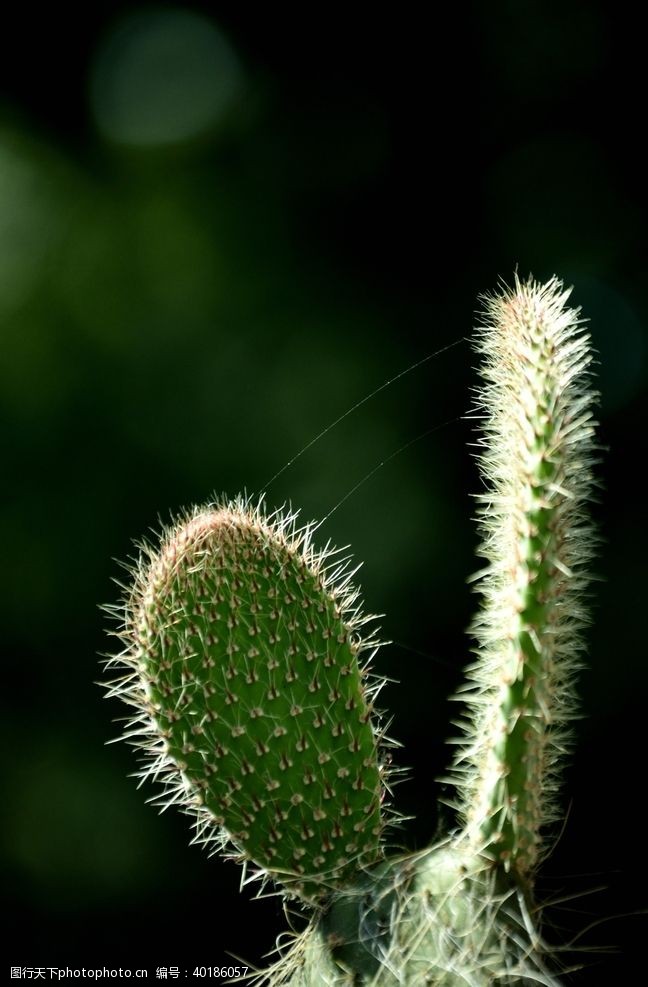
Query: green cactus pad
(242, 650)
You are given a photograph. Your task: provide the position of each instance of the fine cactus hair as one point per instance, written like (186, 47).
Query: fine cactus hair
(246, 661)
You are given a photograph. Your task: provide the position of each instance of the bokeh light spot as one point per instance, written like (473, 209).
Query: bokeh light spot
(163, 76)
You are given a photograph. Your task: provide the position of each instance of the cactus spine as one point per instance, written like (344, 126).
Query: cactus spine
(241, 648)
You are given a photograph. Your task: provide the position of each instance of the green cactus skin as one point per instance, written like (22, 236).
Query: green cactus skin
(538, 431)
(241, 651)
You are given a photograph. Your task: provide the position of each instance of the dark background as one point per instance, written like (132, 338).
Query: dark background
(186, 300)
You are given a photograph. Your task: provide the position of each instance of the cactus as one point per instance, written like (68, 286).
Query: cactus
(245, 657)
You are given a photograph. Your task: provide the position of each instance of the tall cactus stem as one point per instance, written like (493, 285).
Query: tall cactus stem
(536, 458)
